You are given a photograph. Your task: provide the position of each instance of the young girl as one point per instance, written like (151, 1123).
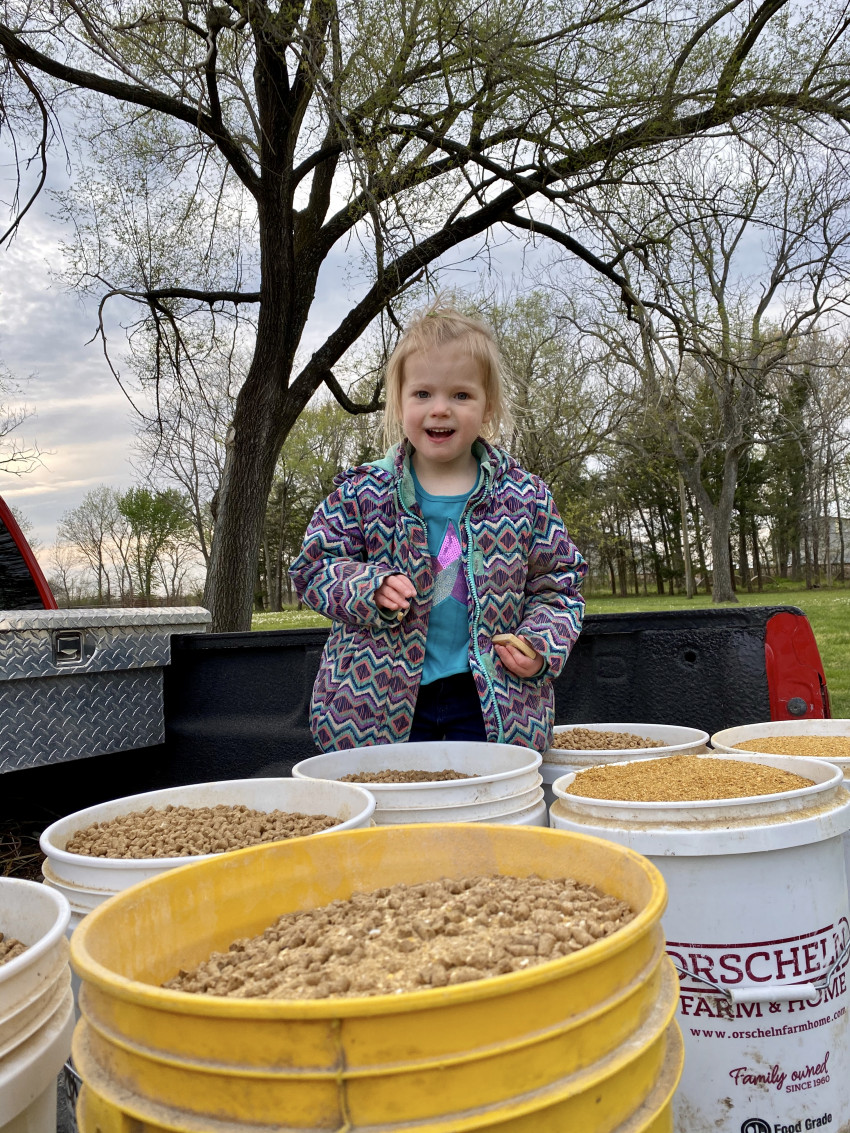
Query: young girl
(424, 557)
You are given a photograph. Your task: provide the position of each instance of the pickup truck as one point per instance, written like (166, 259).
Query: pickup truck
(234, 705)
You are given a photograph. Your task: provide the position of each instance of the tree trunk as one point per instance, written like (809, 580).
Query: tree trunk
(633, 558)
(744, 566)
(281, 528)
(690, 590)
(665, 542)
(700, 544)
(267, 575)
(656, 560)
(840, 525)
(719, 516)
(756, 555)
(827, 533)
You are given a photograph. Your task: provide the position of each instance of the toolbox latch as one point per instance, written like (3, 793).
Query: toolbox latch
(67, 647)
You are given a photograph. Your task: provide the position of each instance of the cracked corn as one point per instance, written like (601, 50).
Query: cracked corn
(815, 747)
(683, 778)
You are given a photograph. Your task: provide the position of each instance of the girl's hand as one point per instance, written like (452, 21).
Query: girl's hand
(395, 593)
(517, 662)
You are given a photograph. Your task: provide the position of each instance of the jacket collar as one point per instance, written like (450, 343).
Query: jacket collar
(490, 460)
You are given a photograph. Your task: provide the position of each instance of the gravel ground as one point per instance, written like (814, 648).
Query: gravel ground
(65, 1122)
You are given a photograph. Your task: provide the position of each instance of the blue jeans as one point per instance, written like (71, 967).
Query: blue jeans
(448, 709)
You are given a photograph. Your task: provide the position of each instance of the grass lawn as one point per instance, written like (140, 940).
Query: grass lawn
(827, 610)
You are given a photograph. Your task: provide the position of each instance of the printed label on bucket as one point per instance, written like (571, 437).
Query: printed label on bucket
(783, 1065)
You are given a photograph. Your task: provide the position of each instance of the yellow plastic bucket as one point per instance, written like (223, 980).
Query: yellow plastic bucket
(584, 1042)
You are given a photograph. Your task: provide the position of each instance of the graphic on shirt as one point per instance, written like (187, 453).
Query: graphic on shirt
(449, 577)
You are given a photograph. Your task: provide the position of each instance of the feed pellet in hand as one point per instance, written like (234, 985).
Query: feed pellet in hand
(815, 747)
(183, 831)
(588, 739)
(392, 775)
(410, 938)
(10, 948)
(683, 778)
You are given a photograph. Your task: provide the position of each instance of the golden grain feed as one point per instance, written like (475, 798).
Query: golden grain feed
(815, 747)
(683, 778)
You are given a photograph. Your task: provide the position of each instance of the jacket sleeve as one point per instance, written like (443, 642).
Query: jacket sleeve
(332, 575)
(554, 609)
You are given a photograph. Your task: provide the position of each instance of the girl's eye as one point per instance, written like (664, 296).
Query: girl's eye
(462, 396)
(421, 393)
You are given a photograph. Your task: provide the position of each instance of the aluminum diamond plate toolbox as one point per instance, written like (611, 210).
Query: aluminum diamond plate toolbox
(84, 682)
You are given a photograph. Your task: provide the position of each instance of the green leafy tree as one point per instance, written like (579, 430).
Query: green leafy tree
(158, 521)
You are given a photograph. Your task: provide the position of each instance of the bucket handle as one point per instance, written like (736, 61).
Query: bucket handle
(772, 993)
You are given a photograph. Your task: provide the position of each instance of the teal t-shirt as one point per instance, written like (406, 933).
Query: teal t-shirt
(447, 644)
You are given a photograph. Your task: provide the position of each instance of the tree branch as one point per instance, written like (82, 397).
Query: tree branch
(17, 49)
(354, 407)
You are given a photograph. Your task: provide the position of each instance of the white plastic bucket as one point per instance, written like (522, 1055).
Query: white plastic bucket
(37, 917)
(725, 742)
(36, 1006)
(757, 914)
(28, 1075)
(676, 741)
(83, 878)
(536, 815)
(504, 779)
(490, 811)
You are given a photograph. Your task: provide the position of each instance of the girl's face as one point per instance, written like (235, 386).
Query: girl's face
(443, 403)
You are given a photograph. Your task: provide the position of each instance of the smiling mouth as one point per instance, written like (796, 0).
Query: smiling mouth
(438, 434)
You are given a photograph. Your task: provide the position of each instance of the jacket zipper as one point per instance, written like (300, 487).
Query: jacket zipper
(470, 582)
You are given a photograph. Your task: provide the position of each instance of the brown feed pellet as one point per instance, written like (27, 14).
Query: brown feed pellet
(392, 775)
(10, 948)
(183, 831)
(817, 747)
(410, 938)
(683, 778)
(581, 739)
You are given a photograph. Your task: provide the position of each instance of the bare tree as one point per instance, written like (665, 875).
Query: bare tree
(90, 529)
(751, 253)
(17, 456)
(244, 145)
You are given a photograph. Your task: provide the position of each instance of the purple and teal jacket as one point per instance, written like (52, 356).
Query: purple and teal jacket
(523, 575)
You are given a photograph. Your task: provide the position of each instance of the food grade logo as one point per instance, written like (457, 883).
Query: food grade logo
(755, 1125)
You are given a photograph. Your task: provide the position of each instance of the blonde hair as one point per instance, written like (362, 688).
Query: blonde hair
(433, 328)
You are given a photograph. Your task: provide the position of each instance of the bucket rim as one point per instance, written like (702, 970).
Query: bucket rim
(835, 779)
(834, 727)
(534, 761)
(699, 737)
(36, 951)
(187, 1003)
(58, 854)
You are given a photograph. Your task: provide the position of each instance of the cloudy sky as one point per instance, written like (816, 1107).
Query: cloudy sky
(82, 421)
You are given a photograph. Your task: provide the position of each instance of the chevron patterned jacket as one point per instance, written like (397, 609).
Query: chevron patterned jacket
(523, 574)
